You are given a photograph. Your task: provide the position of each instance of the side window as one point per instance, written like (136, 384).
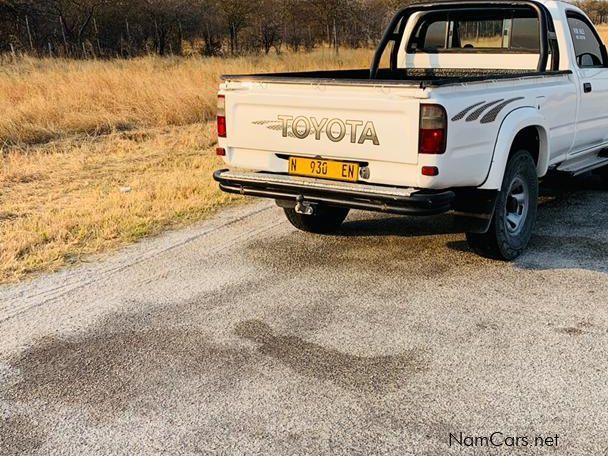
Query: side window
(586, 45)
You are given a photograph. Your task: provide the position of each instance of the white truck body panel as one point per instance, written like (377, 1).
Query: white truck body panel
(377, 124)
(308, 110)
(253, 114)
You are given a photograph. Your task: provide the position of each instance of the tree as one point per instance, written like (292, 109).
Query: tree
(127, 28)
(75, 17)
(236, 14)
(269, 19)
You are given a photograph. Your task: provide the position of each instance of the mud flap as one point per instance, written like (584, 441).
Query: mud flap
(474, 209)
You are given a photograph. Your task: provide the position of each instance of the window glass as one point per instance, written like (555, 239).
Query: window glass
(511, 30)
(586, 46)
(525, 33)
(435, 35)
(478, 34)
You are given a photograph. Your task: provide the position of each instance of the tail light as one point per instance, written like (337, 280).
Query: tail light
(221, 116)
(433, 129)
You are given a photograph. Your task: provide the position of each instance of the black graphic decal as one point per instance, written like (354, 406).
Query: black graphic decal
(465, 111)
(479, 111)
(492, 114)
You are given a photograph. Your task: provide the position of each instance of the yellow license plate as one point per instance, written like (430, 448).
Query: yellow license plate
(325, 169)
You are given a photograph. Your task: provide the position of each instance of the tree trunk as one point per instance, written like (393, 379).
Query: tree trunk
(336, 45)
(65, 39)
(29, 33)
(180, 38)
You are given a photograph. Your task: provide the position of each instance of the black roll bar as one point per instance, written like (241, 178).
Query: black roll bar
(401, 18)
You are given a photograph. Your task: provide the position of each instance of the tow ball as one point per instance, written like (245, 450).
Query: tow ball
(304, 207)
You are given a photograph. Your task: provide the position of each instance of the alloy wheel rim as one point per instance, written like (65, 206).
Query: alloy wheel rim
(518, 204)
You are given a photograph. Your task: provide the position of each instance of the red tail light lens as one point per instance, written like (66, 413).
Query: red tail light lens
(221, 126)
(221, 116)
(433, 129)
(432, 141)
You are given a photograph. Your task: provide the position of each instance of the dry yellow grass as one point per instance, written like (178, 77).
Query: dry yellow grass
(74, 134)
(42, 100)
(75, 198)
(603, 30)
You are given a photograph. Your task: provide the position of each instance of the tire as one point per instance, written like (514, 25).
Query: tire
(325, 220)
(603, 173)
(515, 214)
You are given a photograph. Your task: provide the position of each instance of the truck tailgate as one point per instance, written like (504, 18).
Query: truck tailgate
(358, 123)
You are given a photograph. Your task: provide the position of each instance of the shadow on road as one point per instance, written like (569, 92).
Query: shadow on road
(572, 218)
(379, 374)
(557, 191)
(406, 226)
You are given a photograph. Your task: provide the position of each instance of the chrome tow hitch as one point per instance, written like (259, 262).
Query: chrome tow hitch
(304, 207)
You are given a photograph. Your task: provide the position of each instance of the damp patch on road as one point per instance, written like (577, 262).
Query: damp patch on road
(19, 436)
(107, 369)
(368, 374)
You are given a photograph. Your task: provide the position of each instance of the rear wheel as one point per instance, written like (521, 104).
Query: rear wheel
(324, 220)
(515, 214)
(603, 173)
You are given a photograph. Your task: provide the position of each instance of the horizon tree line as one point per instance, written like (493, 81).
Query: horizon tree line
(130, 28)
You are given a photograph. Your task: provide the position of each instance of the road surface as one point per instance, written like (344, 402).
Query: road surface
(243, 336)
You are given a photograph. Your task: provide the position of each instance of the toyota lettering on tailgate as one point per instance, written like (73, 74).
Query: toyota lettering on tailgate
(336, 130)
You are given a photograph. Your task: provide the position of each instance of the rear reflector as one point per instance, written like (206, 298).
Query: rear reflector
(220, 152)
(433, 129)
(430, 171)
(221, 116)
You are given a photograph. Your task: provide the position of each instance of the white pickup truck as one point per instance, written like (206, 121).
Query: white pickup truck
(467, 105)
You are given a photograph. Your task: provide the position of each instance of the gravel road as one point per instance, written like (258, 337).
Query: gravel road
(243, 336)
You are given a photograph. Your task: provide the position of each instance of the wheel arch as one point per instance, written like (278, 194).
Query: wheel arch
(523, 128)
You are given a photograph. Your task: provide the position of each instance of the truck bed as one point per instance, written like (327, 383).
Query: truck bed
(405, 77)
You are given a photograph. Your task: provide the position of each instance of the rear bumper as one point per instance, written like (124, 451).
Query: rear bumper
(398, 200)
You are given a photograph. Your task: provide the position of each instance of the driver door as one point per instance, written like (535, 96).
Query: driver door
(592, 118)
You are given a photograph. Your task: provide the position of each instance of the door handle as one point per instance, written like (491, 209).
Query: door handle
(587, 87)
